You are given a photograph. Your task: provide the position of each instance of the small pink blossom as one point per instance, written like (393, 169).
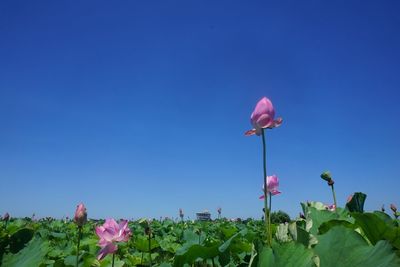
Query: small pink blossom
(263, 117)
(272, 186)
(109, 233)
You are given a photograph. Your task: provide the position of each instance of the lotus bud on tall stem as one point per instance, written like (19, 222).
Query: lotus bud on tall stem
(80, 219)
(181, 215)
(262, 118)
(219, 210)
(327, 177)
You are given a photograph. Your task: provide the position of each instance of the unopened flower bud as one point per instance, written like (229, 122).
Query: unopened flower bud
(393, 208)
(80, 215)
(6, 217)
(181, 213)
(326, 176)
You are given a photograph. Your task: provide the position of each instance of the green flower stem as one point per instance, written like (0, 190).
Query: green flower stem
(266, 212)
(334, 196)
(113, 260)
(269, 218)
(78, 245)
(150, 248)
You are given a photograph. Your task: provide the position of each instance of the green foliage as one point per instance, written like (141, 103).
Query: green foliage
(322, 238)
(356, 204)
(344, 247)
(278, 217)
(32, 255)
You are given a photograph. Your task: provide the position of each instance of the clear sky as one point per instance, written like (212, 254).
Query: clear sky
(138, 108)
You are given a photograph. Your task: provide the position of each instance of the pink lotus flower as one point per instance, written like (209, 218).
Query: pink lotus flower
(272, 186)
(80, 215)
(263, 117)
(109, 233)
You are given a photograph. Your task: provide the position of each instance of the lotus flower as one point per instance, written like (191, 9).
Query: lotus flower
(80, 215)
(272, 186)
(263, 117)
(109, 233)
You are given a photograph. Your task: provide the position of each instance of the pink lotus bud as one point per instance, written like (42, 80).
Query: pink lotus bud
(263, 117)
(6, 217)
(80, 215)
(393, 208)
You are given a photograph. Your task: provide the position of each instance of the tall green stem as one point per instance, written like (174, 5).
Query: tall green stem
(150, 248)
(113, 260)
(266, 211)
(334, 196)
(79, 242)
(269, 218)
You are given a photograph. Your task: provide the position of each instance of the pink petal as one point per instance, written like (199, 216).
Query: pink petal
(262, 197)
(110, 248)
(275, 192)
(264, 121)
(276, 123)
(250, 132)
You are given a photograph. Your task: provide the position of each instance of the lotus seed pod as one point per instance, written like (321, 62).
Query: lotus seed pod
(326, 176)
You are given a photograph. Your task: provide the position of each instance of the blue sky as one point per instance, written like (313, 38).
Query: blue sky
(138, 108)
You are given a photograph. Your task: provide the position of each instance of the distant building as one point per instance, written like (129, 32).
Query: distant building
(203, 216)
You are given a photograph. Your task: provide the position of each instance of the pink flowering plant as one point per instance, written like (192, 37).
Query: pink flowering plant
(262, 118)
(110, 234)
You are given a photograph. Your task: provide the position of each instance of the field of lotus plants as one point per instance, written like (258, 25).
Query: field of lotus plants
(322, 235)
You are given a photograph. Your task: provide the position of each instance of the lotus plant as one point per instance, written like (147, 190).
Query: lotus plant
(219, 210)
(262, 118)
(80, 219)
(328, 178)
(111, 233)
